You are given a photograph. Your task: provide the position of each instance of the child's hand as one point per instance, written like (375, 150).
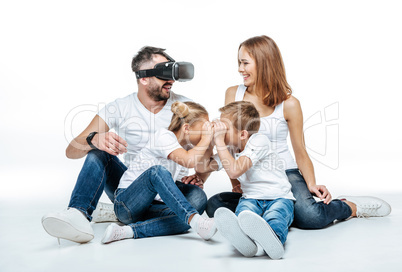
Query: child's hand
(219, 131)
(207, 131)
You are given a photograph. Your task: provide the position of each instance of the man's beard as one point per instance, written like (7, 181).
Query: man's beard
(155, 92)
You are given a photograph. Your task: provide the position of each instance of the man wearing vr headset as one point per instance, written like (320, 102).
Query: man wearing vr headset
(134, 118)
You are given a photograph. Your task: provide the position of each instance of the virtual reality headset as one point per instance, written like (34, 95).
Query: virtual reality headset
(170, 70)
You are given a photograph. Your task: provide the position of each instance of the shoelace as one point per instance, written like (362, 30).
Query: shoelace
(118, 234)
(368, 210)
(204, 224)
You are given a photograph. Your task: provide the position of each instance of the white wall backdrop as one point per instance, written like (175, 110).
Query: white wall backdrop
(60, 60)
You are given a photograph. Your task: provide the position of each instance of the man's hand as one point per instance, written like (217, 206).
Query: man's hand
(194, 180)
(321, 192)
(110, 142)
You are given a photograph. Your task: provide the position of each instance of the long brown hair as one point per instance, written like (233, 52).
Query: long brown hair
(271, 84)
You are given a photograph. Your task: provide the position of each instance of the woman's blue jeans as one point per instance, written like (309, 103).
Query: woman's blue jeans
(135, 205)
(102, 172)
(278, 213)
(309, 214)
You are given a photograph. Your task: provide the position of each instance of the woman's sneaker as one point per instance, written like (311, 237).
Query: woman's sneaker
(228, 225)
(69, 224)
(261, 232)
(368, 206)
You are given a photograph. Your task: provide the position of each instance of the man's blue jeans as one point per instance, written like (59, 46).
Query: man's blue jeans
(135, 205)
(309, 214)
(102, 172)
(278, 213)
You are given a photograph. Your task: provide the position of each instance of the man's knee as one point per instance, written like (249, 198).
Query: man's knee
(97, 157)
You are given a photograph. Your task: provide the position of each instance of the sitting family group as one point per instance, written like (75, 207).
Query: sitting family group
(162, 135)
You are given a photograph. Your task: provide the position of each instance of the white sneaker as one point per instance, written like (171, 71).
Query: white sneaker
(104, 213)
(228, 225)
(68, 224)
(261, 232)
(205, 227)
(369, 206)
(115, 232)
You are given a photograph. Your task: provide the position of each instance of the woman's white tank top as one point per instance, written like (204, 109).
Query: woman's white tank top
(276, 128)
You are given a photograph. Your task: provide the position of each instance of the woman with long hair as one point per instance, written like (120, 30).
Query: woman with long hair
(265, 85)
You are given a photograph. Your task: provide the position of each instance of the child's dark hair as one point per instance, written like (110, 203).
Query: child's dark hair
(243, 115)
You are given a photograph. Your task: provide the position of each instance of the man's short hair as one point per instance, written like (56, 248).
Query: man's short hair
(145, 55)
(243, 115)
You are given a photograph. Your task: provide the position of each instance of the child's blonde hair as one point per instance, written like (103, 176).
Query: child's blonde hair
(243, 115)
(186, 112)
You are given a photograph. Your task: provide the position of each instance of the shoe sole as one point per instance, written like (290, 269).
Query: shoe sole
(62, 229)
(227, 223)
(261, 232)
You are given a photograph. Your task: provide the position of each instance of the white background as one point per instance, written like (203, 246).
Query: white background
(60, 60)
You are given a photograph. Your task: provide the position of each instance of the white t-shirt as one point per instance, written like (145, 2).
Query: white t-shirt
(266, 179)
(134, 123)
(155, 152)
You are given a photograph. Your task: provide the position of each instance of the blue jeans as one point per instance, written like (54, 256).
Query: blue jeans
(309, 214)
(278, 213)
(135, 205)
(102, 172)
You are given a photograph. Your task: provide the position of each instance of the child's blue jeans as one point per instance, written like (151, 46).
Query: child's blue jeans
(278, 213)
(135, 205)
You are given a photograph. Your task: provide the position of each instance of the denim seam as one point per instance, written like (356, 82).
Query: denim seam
(188, 213)
(127, 210)
(104, 171)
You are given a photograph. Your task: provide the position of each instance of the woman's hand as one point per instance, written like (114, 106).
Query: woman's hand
(237, 189)
(321, 192)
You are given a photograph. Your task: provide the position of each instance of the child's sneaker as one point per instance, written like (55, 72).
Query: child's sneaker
(115, 232)
(261, 232)
(205, 227)
(228, 225)
(104, 213)
(368, 206)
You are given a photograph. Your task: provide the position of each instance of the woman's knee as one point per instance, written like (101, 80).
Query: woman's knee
(309, 217)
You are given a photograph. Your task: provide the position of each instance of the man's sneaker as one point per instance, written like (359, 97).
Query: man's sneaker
(368, 206)
(68, 224)
(261, 232)
(104, 213)
(228, 225)
(115, 232)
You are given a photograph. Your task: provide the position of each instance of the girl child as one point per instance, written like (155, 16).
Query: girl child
(147, 200)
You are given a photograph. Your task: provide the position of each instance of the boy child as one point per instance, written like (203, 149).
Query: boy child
(265, 210)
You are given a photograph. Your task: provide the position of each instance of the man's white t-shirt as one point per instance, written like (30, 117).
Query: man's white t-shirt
(155, 152)
(266, 179)
(134, 123)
